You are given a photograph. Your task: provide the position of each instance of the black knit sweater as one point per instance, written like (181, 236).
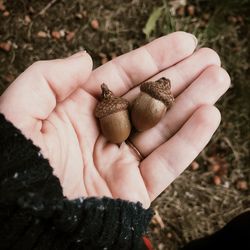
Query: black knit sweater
(34, 214)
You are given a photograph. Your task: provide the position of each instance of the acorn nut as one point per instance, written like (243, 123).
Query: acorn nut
(151, 104)
(112, 112)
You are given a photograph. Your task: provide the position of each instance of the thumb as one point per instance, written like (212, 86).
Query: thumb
(35, 93)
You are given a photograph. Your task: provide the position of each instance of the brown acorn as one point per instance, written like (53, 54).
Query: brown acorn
(151, 104)
(112, 112)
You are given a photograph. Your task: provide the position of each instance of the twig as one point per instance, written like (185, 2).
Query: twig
(42, 12)
(29, 31)
(236, 155)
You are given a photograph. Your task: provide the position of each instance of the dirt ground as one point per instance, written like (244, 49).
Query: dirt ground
(215, 187)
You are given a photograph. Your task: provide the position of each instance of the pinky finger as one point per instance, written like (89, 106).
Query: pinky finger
(169, 160)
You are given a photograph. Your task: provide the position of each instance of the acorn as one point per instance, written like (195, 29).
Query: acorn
(151, 104)
(112, 112)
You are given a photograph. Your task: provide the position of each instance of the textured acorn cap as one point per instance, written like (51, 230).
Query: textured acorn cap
(109, 103)
(159, 90)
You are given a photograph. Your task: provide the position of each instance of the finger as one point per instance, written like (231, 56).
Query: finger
(168, 161)
(206, 89)
(118, 168)
(126, 71)
(183, 73)
(33, 95)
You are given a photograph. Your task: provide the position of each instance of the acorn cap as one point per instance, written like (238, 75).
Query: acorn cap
(109, 103)
(159, 90)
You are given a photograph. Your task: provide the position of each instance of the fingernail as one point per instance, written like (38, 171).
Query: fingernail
(78, 54)
(195, 40)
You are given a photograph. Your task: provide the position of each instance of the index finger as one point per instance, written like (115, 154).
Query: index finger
(127, 71)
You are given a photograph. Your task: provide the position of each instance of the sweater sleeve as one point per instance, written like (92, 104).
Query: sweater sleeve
(34, 214)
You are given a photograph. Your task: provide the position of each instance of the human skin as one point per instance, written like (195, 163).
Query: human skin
(53, 104)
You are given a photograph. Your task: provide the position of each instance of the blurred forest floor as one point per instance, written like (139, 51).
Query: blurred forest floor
(215, 187)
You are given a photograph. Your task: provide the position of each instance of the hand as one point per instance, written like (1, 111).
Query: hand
(53, 103)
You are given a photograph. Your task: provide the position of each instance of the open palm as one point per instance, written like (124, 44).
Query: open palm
(53, 103)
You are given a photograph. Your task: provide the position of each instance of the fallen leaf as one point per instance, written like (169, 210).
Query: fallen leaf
(232, 19)
(113, 55)
(191, 10)
(9, 78)
(56, 34)
(156, 230)
(180, 11)
(215, 167)
(194, 165)
(161, 246)
(157, 219)
(240, 19)
(104, 58)
(217, 180)
(6, 13)
(242, 185)
(223, 170)
(95, 24)
(212, 159)
(70, 35)
(2, 6)
(41, 34)
(62, 33)
(202, 24)
(206, 16)
(27, 20)
(84, 13)
(175, 4)
(218, 166)
(151, 23)
(169, 235)
(79, 15)
(6, 46)
(31, 10)
(102, 55)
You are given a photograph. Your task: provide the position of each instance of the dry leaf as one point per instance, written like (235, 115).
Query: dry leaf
(113, 55)
(79, 15)
(104, 60)
(62, 33)
(2, 6)
(206, 16)
(56, 34)
(95, 24)
(217, 180)
(157, 219)
(218, 165)
(194, 165)
(242, 185)
(151, 23)
(70, 35)
(84, 13)
(6, 13)
(180, 11)
(215, 167)
(169, 235)
(102, 55)
(6, 46)
(240, 19)
(9, 78)
(191, 10)
(27, 20)
(156, 231)
(41, 34)
(223, 170)
(31, 10)
(161, 246)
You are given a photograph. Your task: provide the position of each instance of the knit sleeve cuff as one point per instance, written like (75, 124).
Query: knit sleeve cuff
(34, 211)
